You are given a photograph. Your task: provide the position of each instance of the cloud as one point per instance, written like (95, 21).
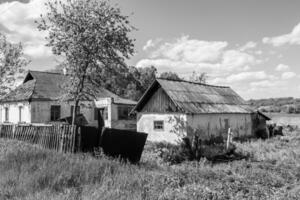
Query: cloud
(148, 45)
(189, 50)
(292, 38)
(17, 21)
(185, 55)
(282, 67)
(248, 45)
(288, 75)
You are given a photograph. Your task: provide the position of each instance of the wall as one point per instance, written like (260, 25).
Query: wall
(113, 120)
(172, 132)
(41, 111)
(218, 124)
(14, 112)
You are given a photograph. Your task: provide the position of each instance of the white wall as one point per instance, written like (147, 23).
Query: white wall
(113, 120)
(145, 123)
(13, 109)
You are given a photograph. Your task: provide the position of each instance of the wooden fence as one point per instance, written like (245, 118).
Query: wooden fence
(62, 138)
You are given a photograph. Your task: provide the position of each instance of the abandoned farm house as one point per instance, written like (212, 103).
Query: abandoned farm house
(172, 109)
(36, 100)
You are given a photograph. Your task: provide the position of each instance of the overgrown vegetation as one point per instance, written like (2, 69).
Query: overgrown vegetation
(271, 171)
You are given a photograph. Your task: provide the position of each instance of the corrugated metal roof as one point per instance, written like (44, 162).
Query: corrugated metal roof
(48, 86)
(196, 98)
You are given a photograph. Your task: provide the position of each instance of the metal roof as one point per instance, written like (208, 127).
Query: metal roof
(197, 98)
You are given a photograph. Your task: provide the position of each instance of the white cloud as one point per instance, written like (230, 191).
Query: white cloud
(292, 38)
(18, 18)
(263, 83)
(282, 67)
(185, 55)
(189, 50)
(288, 75)
(148, 45)
(248, 45)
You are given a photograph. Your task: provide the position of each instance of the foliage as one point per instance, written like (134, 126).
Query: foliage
(198, 77)
(272, 172)
(12, 62)
(170, 76)
(93, 36)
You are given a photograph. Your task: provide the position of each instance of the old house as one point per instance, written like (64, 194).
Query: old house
(37, 100)
(171, 109)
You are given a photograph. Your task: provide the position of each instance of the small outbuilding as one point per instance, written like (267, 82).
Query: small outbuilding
(173, 109)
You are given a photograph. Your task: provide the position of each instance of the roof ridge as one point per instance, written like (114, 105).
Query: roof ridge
(46, 72)
(204, 84)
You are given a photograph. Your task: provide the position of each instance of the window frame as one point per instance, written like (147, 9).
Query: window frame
(155, 125)
(56, 116)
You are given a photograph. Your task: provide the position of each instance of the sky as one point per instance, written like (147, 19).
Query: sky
(250, 45)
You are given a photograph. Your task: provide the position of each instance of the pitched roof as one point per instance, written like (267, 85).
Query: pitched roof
(39, 85)
(197, 98)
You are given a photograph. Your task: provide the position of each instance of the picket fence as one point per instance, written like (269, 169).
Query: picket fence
(62, 138)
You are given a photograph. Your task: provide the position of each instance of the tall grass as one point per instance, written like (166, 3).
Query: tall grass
(272, 172)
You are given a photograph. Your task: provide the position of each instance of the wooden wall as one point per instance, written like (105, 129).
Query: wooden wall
(159, 103)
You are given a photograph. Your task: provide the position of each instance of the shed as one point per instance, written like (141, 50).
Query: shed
(172, 109)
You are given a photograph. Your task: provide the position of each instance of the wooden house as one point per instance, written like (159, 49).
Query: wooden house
(37, 100)
(171, 109)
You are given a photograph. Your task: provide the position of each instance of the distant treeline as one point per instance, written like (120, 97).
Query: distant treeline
(283, 105)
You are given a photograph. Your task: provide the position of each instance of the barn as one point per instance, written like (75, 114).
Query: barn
(172, 109)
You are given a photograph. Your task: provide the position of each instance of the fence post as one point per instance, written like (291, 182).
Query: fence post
(13, 131)
(228, 138)
(1, 130)
(61, 133)
(78, 139)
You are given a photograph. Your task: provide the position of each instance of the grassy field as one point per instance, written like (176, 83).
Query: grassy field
(285, 119)
(271, 172)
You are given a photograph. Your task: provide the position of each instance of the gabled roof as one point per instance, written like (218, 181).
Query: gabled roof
(197, 98)
(47, 86)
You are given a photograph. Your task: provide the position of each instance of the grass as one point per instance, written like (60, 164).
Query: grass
(271, 172)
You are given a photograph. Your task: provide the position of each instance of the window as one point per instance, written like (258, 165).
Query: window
(103, 111)
(123, 112)
(158, 125)
(55, 113)
(6, 114)
(20, 113)
(77, 110)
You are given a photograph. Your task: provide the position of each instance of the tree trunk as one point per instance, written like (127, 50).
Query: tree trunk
(74, 113)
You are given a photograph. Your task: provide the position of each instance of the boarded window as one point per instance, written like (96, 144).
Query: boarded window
(103, 111)
(6, 114)
(20, 113)
(158, 125)
(54, 113)
(77, 110)
(123, 112)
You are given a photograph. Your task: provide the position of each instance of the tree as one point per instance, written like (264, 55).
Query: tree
(198, 77)
(93, 37)
(11, 63)
(170, 76)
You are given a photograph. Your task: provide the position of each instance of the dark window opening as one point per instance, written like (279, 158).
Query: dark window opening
(158, 125)
(103, 111)
(77, 110)
(123, 112)
(55, 113)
